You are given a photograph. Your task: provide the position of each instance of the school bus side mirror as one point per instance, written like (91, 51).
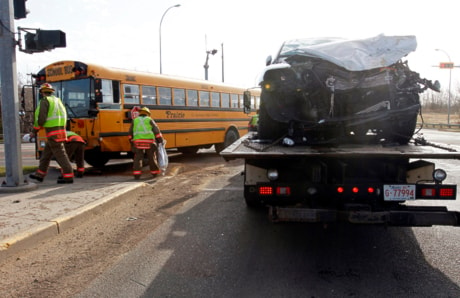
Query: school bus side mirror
(247, 101)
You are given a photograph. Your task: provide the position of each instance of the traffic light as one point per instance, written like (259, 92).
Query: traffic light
(20, 10)
(446, 65)
(44, 40)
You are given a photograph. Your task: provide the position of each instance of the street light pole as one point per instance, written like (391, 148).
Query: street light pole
(450, 81)
(161, 21)
(206, 65)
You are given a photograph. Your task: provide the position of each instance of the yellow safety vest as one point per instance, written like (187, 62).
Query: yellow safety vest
(57, 115)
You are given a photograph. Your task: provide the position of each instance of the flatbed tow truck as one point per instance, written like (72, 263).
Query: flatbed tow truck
(355, 183)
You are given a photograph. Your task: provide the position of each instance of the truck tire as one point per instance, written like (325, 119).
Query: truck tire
(230, 137)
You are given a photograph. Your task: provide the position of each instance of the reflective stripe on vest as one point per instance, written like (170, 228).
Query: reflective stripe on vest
(143, 144)
(57, 135)
(73, 137)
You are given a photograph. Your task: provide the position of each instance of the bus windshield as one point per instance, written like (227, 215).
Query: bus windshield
(76, 96)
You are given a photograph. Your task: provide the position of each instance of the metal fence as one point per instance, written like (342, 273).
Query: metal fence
(440, 126)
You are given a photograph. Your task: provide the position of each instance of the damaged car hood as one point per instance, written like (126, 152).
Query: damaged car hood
(353, 55)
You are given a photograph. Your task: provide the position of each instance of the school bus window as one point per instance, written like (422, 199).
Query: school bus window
(110, 95)
(165, 95)
(149, 95)
(131, 93)
(204, 98)
(234, 98)
(257, 102)
(253, 102)
(225, 100)
(179, 97)
(215, 99)
(107, 91)
(192, 98)
(241, 102)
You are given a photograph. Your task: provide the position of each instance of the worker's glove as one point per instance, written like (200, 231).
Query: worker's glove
(159, 140)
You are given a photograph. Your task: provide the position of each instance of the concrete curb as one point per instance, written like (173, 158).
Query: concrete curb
(47, 229)
(52, 228)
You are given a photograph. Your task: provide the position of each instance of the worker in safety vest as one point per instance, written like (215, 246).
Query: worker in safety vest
(144, 135)
(75, 149)
(52, 116)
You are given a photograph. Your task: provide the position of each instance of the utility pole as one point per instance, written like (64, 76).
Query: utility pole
(222, 51)
(14, 179)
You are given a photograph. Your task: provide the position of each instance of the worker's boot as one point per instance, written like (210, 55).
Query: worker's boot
(36, 177)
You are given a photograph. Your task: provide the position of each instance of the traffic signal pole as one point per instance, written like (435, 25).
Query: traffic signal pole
(14, 178)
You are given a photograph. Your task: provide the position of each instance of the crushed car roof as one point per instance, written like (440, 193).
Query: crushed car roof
(354, 55)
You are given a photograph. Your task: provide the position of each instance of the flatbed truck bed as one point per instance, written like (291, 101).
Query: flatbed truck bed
(247, 147)
(355, 183)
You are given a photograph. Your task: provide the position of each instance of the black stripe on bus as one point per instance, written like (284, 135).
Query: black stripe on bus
(195, 120)
(119, 134)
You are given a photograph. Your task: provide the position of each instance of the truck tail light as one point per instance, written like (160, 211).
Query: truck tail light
(438, 192)
(279, 190)
(283, 190)
(355, 189)
(265, 190)
(446, 192)
(428, 192)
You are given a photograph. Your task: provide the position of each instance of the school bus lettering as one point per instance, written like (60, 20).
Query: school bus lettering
(68, 69)
(174, 115)
(57, 71)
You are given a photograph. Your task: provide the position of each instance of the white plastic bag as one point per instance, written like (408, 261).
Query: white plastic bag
(162, 157)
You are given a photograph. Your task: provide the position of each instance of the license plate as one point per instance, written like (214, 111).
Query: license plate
(399, 192)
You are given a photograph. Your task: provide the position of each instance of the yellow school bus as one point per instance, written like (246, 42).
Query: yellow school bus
(102, 101)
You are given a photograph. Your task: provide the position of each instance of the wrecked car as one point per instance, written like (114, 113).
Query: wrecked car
(331, 90)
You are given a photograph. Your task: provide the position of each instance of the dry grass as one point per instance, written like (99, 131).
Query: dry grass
(438, 118)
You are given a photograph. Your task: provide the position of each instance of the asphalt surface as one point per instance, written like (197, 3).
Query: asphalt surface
(38, 210)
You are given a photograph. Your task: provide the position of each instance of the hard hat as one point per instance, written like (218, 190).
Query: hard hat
(144, 111)
(46, 88)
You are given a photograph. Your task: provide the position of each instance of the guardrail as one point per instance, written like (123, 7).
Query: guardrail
(439, 125)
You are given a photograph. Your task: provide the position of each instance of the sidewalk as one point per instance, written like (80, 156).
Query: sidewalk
(48, 208)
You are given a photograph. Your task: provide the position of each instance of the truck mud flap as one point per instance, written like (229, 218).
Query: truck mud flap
(407, 218)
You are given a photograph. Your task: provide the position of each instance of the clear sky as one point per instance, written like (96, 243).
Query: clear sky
(125, 34)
